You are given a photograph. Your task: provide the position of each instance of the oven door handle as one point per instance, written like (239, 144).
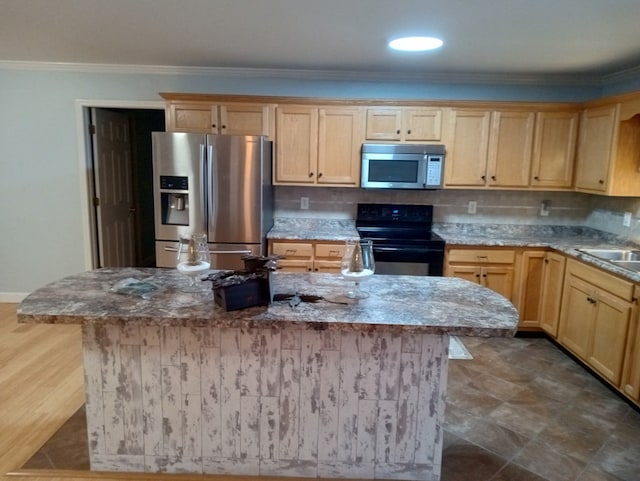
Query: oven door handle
(404, 249)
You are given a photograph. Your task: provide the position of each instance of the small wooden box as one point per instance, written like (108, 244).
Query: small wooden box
(253, 292)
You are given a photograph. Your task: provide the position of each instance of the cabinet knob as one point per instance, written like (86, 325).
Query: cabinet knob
(398, 131)
(224, 126)
(484, 275)
(601, 181)
(483, 177)
(310, 174)
(319, 175)
(478, 276)
(213, 126)
(536, 178)
(409, 131)
(493, 177)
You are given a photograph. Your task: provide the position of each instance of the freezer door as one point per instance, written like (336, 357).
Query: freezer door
(178, 184)
(236, 179)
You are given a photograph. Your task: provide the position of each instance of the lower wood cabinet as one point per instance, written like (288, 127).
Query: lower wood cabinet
(492, 268)
(597, 309)
(308, 256)
(631, 372)
(551, 294)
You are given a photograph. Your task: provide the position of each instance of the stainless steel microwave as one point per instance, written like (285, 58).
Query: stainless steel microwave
(402, 166)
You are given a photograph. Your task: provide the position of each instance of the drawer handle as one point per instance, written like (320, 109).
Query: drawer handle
(291, 251)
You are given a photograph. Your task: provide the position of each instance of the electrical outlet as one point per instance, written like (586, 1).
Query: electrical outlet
(626, 219)
(304, 203)
(544, 208)
(472, 207)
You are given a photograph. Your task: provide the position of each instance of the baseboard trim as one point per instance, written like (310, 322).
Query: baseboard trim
(13, 297)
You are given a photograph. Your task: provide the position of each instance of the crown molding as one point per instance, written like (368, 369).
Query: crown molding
(622, 76)
(338, 75)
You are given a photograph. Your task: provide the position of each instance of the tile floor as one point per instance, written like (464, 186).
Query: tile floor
(521, 410)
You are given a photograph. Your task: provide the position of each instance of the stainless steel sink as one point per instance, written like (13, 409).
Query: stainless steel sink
(631, 265)
(614, 255)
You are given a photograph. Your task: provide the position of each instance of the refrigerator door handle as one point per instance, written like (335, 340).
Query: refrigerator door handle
(210, 193)
(247, 252)
(203, 187)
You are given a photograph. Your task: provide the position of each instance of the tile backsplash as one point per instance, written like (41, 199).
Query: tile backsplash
(451, 206)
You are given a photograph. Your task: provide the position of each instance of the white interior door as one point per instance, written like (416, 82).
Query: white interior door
(113, 188)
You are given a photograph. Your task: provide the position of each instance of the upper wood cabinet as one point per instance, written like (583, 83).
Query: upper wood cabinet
(489, 149)
(608, 158)
(404, 124)
(318, 145)
(228, 119)
(467, 147)
(554, 148)
(510, 145)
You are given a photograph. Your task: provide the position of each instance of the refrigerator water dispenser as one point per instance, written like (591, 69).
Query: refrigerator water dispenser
(174, 205)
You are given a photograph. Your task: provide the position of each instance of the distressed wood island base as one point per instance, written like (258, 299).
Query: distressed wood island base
(176, 384)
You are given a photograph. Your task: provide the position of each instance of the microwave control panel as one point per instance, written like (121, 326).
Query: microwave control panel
(434, 170)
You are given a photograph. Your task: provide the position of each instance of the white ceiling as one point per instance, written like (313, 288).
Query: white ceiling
(582, 38)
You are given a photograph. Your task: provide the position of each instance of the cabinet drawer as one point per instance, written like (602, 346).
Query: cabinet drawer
(484, 256)
(330, 251)
(608, 282)
(292, 249)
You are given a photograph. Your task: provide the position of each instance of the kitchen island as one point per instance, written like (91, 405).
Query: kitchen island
(331, 389)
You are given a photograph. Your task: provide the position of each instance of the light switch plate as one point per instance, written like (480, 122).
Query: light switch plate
(304, 203)
(472, 207)
(626, 219)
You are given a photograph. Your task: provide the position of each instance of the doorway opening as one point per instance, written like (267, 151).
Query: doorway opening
(119, 175)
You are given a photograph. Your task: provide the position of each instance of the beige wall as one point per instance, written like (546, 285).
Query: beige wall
(496, 207)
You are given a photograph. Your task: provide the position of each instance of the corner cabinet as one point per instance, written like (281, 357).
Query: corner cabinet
(227, 119)
(318, 145)
(551, 295)
(608, 159)
(404, 124)
(596, 312)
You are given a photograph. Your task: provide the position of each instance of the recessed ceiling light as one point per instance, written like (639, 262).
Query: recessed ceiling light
(415, 44)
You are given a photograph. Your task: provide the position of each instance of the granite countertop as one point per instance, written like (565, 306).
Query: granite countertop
(564, 239)
(422, 304)
(290, 228)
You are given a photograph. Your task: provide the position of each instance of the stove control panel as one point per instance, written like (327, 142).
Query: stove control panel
(422, 214)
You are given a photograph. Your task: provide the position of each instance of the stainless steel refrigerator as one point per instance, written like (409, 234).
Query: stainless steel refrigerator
(216, 184)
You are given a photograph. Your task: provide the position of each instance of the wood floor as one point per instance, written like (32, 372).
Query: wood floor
(41, 386)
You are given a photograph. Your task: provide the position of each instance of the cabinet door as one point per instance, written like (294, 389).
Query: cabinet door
(193, 117)
(384, 124)
(608, 335)
(510, 147)
(631, 375)
(470, 273)
(422, 124)
(576, 317)
(552, 281)
(530, 288)
(467, 148)
(498, 279)
(597, 128)
(246, 119)
(340, 136)
(297, 145)
(296, 256)
(554, 149)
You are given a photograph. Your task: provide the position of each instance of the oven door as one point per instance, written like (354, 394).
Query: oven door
(408, 260)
